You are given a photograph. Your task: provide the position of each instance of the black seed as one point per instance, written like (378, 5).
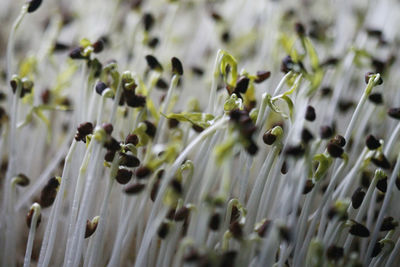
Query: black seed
(23, 180)
(334, 150)
(382, 185)
(252, 148)
(173, 123)
(109, 156)
(294, 150)
(129, 160)
(358, 229)
(345, 105)
(377, 249)
(136, 101)
(33, 5)
(306, 136)
(148, 21)
(357, 198)
(98, 46)
(14, 85)
(284, 168)
(388, 224)
(331, 61)
(154, 190)
(226, 36)
(153, 42)
(153, 63)
(170, 214)
(339, 140)
(134, 188)
(108, 128)
(29, 218)
(262, 230)
(176, 66)
(398, 183)
(379, 65)
(58, 47)
(176, 186)
(83, 130)
(46, 96)
(49, 193)
(235, 115)
(181, 214)
(132, 139)
(300, 29)
(381, 161)
(287, 64)
(242, 84)
(309, 185)
(76, 53)
(236, 229)
(161, 84)
(214, 222)
(100, 87)
(197, 128)
(112, 144)
(262, 75)
(216, 16)
(235, 214)
(365, 179)
(90, 228)
(285, 234)
(150, 129)
(197, 71)
(228, 259)
(310, 113)
(142, 172)
(123, 176)
(326, 91)
(334, 253)
(163, 230)
(372, 143)
(376, 98)
(269, 138)
(333, 212)
(95, 66)
(394, 113)
(374, 33)
(326, 132)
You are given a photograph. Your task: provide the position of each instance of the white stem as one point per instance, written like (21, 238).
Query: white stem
(32, 232)
(383, 210)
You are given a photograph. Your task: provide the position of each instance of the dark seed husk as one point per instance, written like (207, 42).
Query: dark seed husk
(334, 253)
(359, 230)
(388, 224)
(153, 63)
(334, 150)
(372, 143)
(163, 230)
(33, 5)
(357, 198)
(134, 188)
(382, 185)
(123, 176)
(309, 185)
(269, 138)
(214, 222)
(394, 113)
(176, 66)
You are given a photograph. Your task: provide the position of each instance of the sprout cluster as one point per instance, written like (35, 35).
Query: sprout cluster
(199, 133)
